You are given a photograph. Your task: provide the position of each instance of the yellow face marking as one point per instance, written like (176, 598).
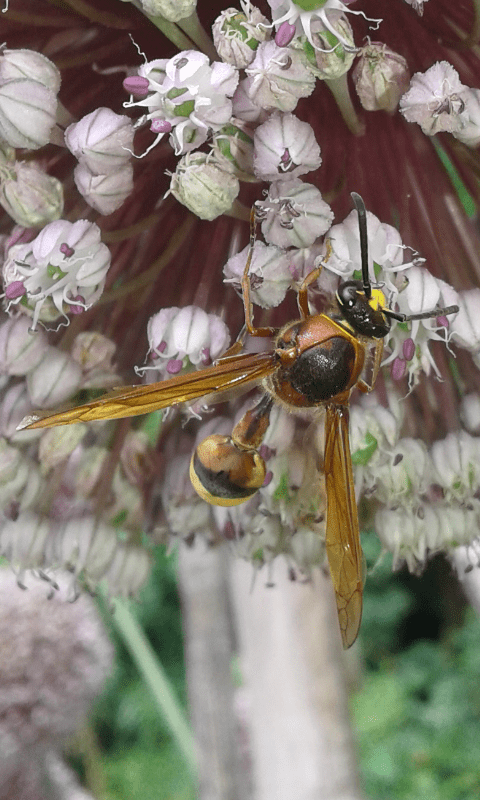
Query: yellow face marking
(377, 300)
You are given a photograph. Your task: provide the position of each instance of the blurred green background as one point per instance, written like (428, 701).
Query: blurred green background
(416, 714)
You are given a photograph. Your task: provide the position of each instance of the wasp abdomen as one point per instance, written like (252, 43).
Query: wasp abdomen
(224, 473)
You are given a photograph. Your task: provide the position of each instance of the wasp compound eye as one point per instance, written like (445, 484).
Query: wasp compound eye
(224, 473)
(348, 293)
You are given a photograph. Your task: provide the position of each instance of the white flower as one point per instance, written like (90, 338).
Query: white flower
(179, 337)
(384, 246)
(270, 276)
(188, 97)
(284, 145)
(101, 141)
(435, 99)
(279, 77)
(294, 214)
(302, 15)
(62, 269)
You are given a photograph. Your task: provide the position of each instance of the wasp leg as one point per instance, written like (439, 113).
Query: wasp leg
(247, 303)
(302, 297)
(377, 360)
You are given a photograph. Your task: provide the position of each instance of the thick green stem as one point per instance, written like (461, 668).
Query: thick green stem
(154, 675)
(339, 89)
(194, 29)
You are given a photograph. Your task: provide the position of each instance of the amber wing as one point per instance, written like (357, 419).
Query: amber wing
(343, 537)
(132, 400)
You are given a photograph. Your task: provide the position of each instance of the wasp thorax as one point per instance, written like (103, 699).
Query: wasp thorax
(225, 473)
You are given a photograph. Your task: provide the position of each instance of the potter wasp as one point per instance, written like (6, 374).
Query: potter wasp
(315, 361)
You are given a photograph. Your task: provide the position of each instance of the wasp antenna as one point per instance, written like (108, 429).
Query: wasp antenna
(362, 225)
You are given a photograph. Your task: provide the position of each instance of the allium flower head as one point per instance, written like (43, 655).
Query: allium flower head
(146, 269)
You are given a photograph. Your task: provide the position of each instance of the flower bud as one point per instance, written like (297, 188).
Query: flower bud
(128, 571)
(136, 458)
(236, 35)
(57, 444)
(456, 460)
(89, 470)
(102, 141)
(24, 540)
(295, 214)
(19, 480)
(405, 475)
(279, 77)
(284, 145)
(465, 326)
(233, 149)
(29, 195)
(94, 353)
(270, 276)
(55, 379)
(470, 131)
(27, 113)
(21, 349)
(203, 187)
(14, 406)
(16, 64)
(470, 412)
(104, 193)
(243, 108)
(381, 76)
(172, 10)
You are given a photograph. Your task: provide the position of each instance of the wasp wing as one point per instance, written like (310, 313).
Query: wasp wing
(343, 537)
(129, 401)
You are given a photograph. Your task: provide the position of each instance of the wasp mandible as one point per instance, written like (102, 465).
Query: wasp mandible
(315, 362)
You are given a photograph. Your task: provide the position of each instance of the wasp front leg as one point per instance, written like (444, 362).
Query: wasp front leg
(246, 286)
(302, 298)
(377, 360)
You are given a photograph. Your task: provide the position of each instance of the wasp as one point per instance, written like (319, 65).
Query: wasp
(315, 362)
